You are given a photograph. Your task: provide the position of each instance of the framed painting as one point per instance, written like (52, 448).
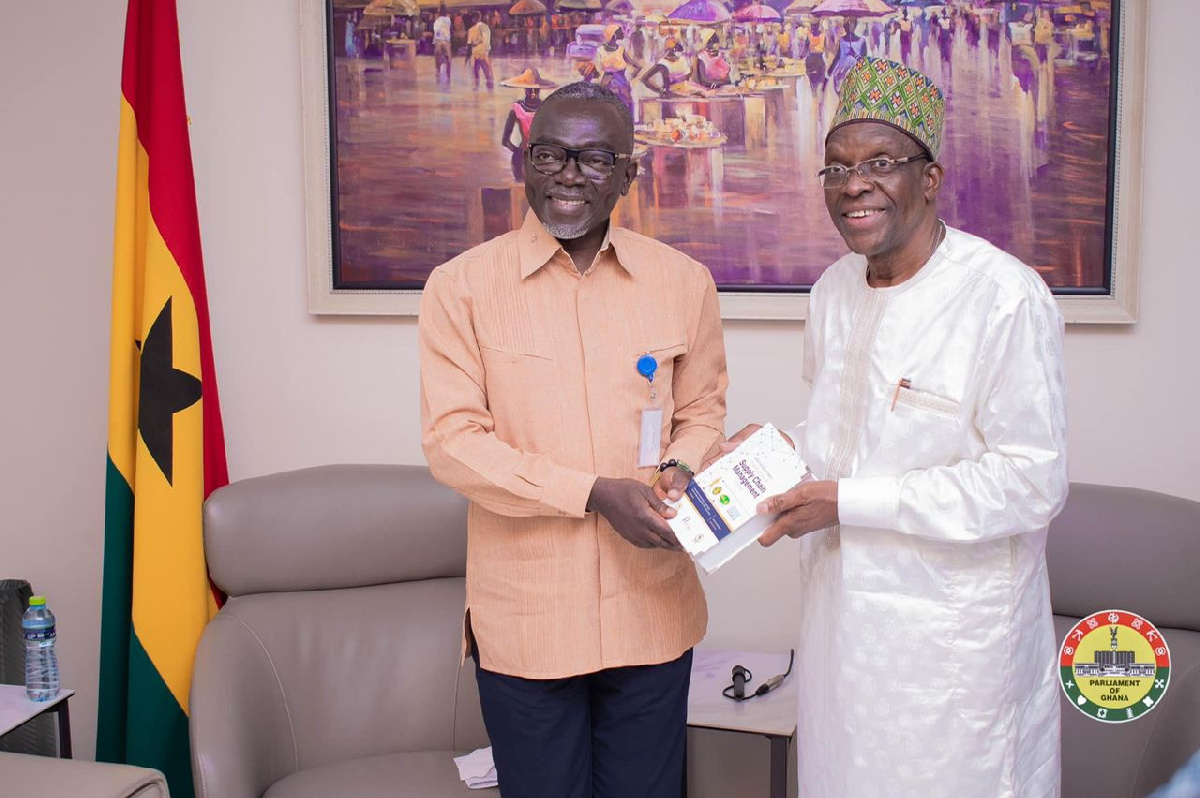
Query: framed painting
(415, 113)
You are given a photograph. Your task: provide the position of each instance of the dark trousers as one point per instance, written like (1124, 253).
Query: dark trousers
(616, 733)
(483, 65)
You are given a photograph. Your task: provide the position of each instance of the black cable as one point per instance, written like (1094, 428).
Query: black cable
(762, 689)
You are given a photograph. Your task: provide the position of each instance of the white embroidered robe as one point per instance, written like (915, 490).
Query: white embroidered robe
(926, 661)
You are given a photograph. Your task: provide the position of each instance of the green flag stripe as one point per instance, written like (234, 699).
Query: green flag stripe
(116, 609)
(157, 735)
(139, 721)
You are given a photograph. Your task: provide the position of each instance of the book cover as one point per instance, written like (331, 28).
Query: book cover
(717, 515)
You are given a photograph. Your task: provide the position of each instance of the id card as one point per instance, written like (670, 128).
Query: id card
(650, 440)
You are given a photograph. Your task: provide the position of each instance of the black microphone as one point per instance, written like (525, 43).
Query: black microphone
(740, 675)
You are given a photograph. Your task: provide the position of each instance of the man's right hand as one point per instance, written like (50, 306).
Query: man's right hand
(635, 512)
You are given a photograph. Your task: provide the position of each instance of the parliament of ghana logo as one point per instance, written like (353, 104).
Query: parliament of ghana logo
(1114, 666)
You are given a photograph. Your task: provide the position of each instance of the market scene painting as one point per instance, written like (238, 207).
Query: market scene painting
(431, 102)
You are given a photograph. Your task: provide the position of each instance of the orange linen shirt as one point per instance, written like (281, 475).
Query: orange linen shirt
(529, 391)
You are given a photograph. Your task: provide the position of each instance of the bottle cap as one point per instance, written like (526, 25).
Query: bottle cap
(37, 601)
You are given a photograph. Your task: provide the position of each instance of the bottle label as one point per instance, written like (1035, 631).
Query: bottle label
(44, 633)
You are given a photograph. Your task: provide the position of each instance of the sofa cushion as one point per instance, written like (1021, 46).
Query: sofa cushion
(1128, 549)
(424, 774)
(334, 527)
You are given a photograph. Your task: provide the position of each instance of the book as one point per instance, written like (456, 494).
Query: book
(718, 516)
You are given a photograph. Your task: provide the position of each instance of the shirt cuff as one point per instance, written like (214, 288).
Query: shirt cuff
(869, 501)
(686, 456)
(570, 491)
(691, 449)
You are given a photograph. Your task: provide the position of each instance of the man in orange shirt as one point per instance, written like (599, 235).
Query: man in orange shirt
(563, 366)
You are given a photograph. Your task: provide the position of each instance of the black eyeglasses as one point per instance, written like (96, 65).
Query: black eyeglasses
(594, 164)
(870, 170)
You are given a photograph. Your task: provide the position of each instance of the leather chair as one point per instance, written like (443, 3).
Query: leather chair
(334, 667)
(1134, 550)
(44, 777)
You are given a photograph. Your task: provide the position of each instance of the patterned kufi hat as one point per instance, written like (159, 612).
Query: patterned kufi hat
(877, 90)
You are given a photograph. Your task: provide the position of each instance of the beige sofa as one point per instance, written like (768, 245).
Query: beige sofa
(333, 669)
(1135, 550)
(30, 776)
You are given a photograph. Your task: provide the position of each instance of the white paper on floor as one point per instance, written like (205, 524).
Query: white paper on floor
(477, 768)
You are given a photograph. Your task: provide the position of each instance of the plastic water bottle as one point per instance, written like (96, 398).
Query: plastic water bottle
(41, 663)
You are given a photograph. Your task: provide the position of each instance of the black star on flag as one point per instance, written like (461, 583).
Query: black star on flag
(164, 391)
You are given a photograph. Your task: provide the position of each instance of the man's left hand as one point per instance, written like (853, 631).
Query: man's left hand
(805, 508)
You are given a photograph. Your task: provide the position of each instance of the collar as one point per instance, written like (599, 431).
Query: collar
(947, 240)
(536, 247)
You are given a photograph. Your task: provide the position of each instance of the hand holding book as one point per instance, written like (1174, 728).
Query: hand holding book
(718, 514)
(726, 446)
(809, 506)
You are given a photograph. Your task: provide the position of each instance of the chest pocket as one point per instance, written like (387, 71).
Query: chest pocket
(922, 429)
(522, 399)
(664, 355)
(927, 402)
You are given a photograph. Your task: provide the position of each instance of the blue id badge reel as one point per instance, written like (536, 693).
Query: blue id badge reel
(650, 439)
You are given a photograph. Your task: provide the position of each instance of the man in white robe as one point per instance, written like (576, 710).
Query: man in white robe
(937, 431)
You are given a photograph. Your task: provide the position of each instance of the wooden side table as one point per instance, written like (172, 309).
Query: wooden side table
(16, 709)
(773, 715)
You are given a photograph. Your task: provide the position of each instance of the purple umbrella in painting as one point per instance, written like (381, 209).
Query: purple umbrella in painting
(701, 11)
(779, 5)
(801, 7)
(757, 12)
(852, 8)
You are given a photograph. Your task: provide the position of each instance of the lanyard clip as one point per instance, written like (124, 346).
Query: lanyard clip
(646, 365)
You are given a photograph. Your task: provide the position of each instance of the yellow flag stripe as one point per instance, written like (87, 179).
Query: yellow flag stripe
(128, 266)
(172, 600)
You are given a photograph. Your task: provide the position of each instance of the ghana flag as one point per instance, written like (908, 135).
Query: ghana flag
(166, 449)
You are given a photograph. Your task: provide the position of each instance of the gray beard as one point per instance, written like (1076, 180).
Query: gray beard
(561, 232)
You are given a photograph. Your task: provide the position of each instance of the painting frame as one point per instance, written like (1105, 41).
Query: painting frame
(1118, 306)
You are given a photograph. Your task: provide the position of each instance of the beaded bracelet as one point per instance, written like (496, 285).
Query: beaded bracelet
(672, 463)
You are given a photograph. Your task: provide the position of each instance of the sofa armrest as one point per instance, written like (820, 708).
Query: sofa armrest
(241, 734)
(26, 774)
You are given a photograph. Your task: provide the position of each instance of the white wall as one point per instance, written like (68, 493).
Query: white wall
(58, 133)
(299, 390)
